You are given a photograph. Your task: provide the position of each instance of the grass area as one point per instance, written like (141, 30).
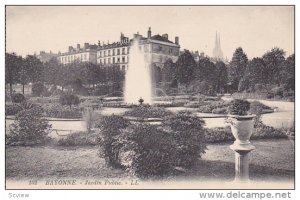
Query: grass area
(271, 160)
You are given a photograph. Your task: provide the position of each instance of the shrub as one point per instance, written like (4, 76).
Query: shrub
(277, 91)
(258, 108)
(59, 111)
(262, 131)
(12, 109)
(147, 111)
(57, 92)
(78, 139)
(238, 107)
(69, 99)
(17, 98)
(218, 134)
(110, 126)
(149, 150)
(220, 111)
(29, 128)
(38, 88)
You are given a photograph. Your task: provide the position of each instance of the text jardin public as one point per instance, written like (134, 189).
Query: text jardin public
(88, 182)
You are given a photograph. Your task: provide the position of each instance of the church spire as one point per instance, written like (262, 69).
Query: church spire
(217, 52)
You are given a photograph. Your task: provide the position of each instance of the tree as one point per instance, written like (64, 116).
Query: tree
(69, 99)
(167, 73)
(287, 73)
(273, 60)
(207, 76)
(34, 68)
(256, 72)
(184, 70)
(237, 67)
(222, 76)
(12, 69)
(52, 72)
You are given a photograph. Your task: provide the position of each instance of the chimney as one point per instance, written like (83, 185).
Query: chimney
(165, 35)
(149, 33)
(86, 45)
(70, 48)
(99, 43)
(177, 40)
(78, 46)
(121, 37)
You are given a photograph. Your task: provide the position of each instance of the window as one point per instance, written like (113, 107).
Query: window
(123, 67)
(118, 51)
(123, 51)
(118, 60)
(113, 59)
(123, 59)
(108, 60)
(108, 52)
(85, 56)
(113, 52)
(104, 53)
(104, 61)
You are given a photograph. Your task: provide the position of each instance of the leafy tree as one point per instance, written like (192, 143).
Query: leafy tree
(12, 69)
(287, 73)
(273, 60)
(207, 74)
(34, 68)
(222, 76)
(52, 72)
(237, 67)
(184, 70)
(168, 71)
(256, 72)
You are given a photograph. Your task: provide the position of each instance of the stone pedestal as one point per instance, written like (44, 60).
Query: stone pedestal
(242, 160)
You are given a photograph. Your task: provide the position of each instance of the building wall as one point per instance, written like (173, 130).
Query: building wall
(114, 56)
(84, 56)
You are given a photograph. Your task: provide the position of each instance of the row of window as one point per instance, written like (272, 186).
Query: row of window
(113, 60)
(113, 52)
(72, 58)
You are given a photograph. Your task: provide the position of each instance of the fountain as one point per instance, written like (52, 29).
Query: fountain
(138, 77)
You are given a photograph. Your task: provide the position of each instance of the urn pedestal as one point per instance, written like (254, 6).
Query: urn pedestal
(241, 128)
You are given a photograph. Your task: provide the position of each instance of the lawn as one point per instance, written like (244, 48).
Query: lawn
(271, 160)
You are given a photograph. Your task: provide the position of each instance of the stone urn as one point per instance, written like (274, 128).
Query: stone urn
(241, 127)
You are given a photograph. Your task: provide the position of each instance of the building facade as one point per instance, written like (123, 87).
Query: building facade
(86, 54)
(45, 56)
(116, 53)
(157, 50)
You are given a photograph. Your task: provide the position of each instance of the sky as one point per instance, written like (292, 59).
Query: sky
(257, 29)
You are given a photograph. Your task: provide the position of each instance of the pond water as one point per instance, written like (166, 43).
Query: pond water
(283, 117)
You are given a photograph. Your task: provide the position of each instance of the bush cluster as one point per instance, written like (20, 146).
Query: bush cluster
(29, 128)
(147, 111)
(149, 150)
(59, 111)
(12, 109)
(17, 98)
(217, 107)
(78, 139)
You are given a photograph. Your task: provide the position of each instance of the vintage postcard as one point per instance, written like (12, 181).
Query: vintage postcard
(150, 97)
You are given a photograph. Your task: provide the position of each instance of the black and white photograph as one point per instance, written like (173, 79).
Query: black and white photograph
(149, 97)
